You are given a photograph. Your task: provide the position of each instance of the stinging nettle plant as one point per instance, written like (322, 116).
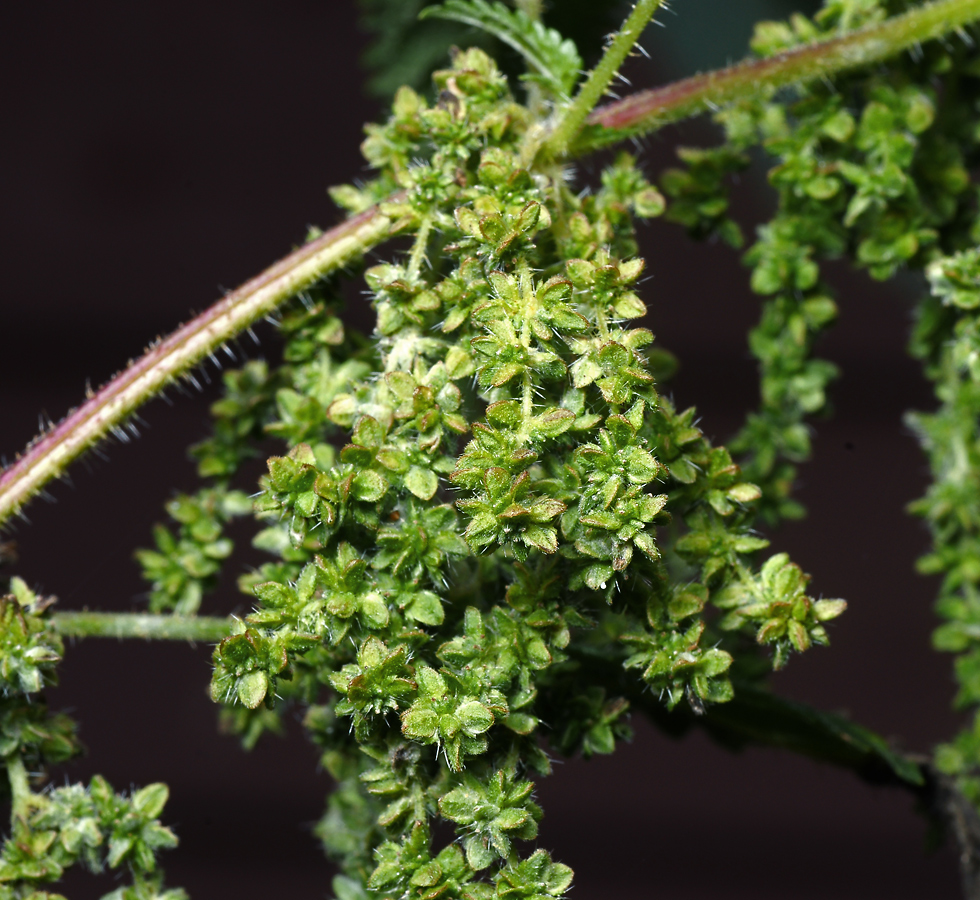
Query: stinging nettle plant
(490, 535)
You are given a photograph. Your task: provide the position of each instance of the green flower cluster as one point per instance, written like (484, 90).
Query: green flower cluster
(513, 501)
(946, 340)
(488, 532)
(52, 831)
(92, 826)
(287, 402)
(873, 167)
(182, 567)
(29, 653)
(29, 648)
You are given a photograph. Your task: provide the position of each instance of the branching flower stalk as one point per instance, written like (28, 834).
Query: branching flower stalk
(488, 533)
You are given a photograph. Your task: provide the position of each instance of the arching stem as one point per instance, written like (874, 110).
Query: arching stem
(647, 111)
(49, 454)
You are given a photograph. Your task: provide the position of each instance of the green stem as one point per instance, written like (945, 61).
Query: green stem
(206, 629)
(596, 84)
(527, 398)
(49, 454)
(647, 111)
(419, 247)
(20, 788)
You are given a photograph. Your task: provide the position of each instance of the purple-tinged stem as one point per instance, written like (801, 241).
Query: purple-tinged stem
(646, 111)
(51, 452)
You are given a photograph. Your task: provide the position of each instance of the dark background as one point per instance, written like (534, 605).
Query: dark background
(154, 154)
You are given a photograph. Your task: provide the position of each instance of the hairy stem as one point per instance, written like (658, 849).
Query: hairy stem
(595, 86)
(646, 111)
(207, 629)
(20, 788)
(49, 454)
(417, 256)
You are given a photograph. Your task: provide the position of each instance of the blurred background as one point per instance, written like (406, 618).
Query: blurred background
(155, 154)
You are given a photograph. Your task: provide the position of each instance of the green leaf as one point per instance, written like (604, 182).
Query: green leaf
(118, 848)
(252, 688)
(426, 607)
(474, 717)
(150, 800)
(478, 854)
(824, 610)
(554, 59)
(420, 724)
(460, 805)
(374, 610)
(423, 483)
(369, 485)
(512, 818)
